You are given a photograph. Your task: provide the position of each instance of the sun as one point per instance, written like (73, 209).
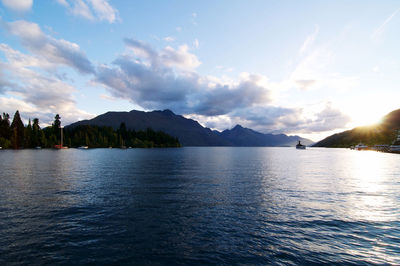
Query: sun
(365, 116)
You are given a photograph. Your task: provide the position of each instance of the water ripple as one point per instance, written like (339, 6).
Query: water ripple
(199, 206)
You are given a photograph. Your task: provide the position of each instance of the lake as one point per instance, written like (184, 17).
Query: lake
(206, 205)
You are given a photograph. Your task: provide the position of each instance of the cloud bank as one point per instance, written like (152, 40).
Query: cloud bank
(165, 78)
(31, 82)
(48, 51)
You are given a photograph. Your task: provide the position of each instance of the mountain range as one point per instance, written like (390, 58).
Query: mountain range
(384, 132)
(190, 132)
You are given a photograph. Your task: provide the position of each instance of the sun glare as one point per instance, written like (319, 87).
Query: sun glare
(366, 117)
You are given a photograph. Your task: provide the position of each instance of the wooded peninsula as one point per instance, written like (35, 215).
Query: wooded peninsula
(16, 135)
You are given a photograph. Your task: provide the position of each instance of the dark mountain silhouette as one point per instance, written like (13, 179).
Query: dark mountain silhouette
(189, 131)
(240, 136)
(382, 133)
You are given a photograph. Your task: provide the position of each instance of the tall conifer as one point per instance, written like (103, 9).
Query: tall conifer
(17, 127)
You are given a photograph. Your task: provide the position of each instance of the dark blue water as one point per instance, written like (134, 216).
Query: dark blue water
(199, 206)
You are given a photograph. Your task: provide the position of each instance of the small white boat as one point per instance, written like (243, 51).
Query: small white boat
(360, 147)
(83, 147)
(300, 146)
(1, 148)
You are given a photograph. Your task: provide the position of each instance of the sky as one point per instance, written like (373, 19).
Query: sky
(311, 68)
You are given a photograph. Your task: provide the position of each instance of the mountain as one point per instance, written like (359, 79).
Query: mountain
(240, 136)
(189, 131)
(382, 133)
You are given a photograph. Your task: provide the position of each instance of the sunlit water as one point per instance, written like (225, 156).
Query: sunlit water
(198, 206)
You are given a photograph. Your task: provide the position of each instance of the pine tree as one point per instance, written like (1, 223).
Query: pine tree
(28, 135)
(5, 130)
(56, 130)
(57, 122)
(18, 129)
(42, 139)
(35, 133)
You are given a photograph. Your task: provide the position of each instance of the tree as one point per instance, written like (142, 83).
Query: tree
(17, 127)
(28, 135)
(35, 125)
(123, 131)
(35, 133)
(5, 130)
(56, 127)
(57, 122)
(42, 139)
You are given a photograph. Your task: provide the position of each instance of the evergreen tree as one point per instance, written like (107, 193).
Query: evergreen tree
(57, 122)
(42, 139)
(28, 135)
(18, 136)
(5, 130)
(17, 127)
(35, 133)
(56, 129)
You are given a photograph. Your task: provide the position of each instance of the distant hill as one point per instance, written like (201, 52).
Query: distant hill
(188, 131)
(240, 136)
(382, 133)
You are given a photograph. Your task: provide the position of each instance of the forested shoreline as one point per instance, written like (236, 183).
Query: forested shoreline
(16, 135)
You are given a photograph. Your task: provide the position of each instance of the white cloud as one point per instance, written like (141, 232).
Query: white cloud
(104, 10)
(91, 9)
(196, 43)
(169, 39)
(50, 52)
(305, 84)
(31, 82)
(18, 5)
(34, 92)
(179, 58)
(309, 40)
(326, 120)
(381, 28)
(312, 72)
(81, 8)
(63, 2)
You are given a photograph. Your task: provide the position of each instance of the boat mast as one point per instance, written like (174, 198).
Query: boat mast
(61, 141)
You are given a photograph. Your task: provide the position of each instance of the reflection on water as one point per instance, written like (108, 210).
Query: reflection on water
(199, 205)
(372, 180)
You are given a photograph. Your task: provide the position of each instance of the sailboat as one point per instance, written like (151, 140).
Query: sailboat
(61, 141)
